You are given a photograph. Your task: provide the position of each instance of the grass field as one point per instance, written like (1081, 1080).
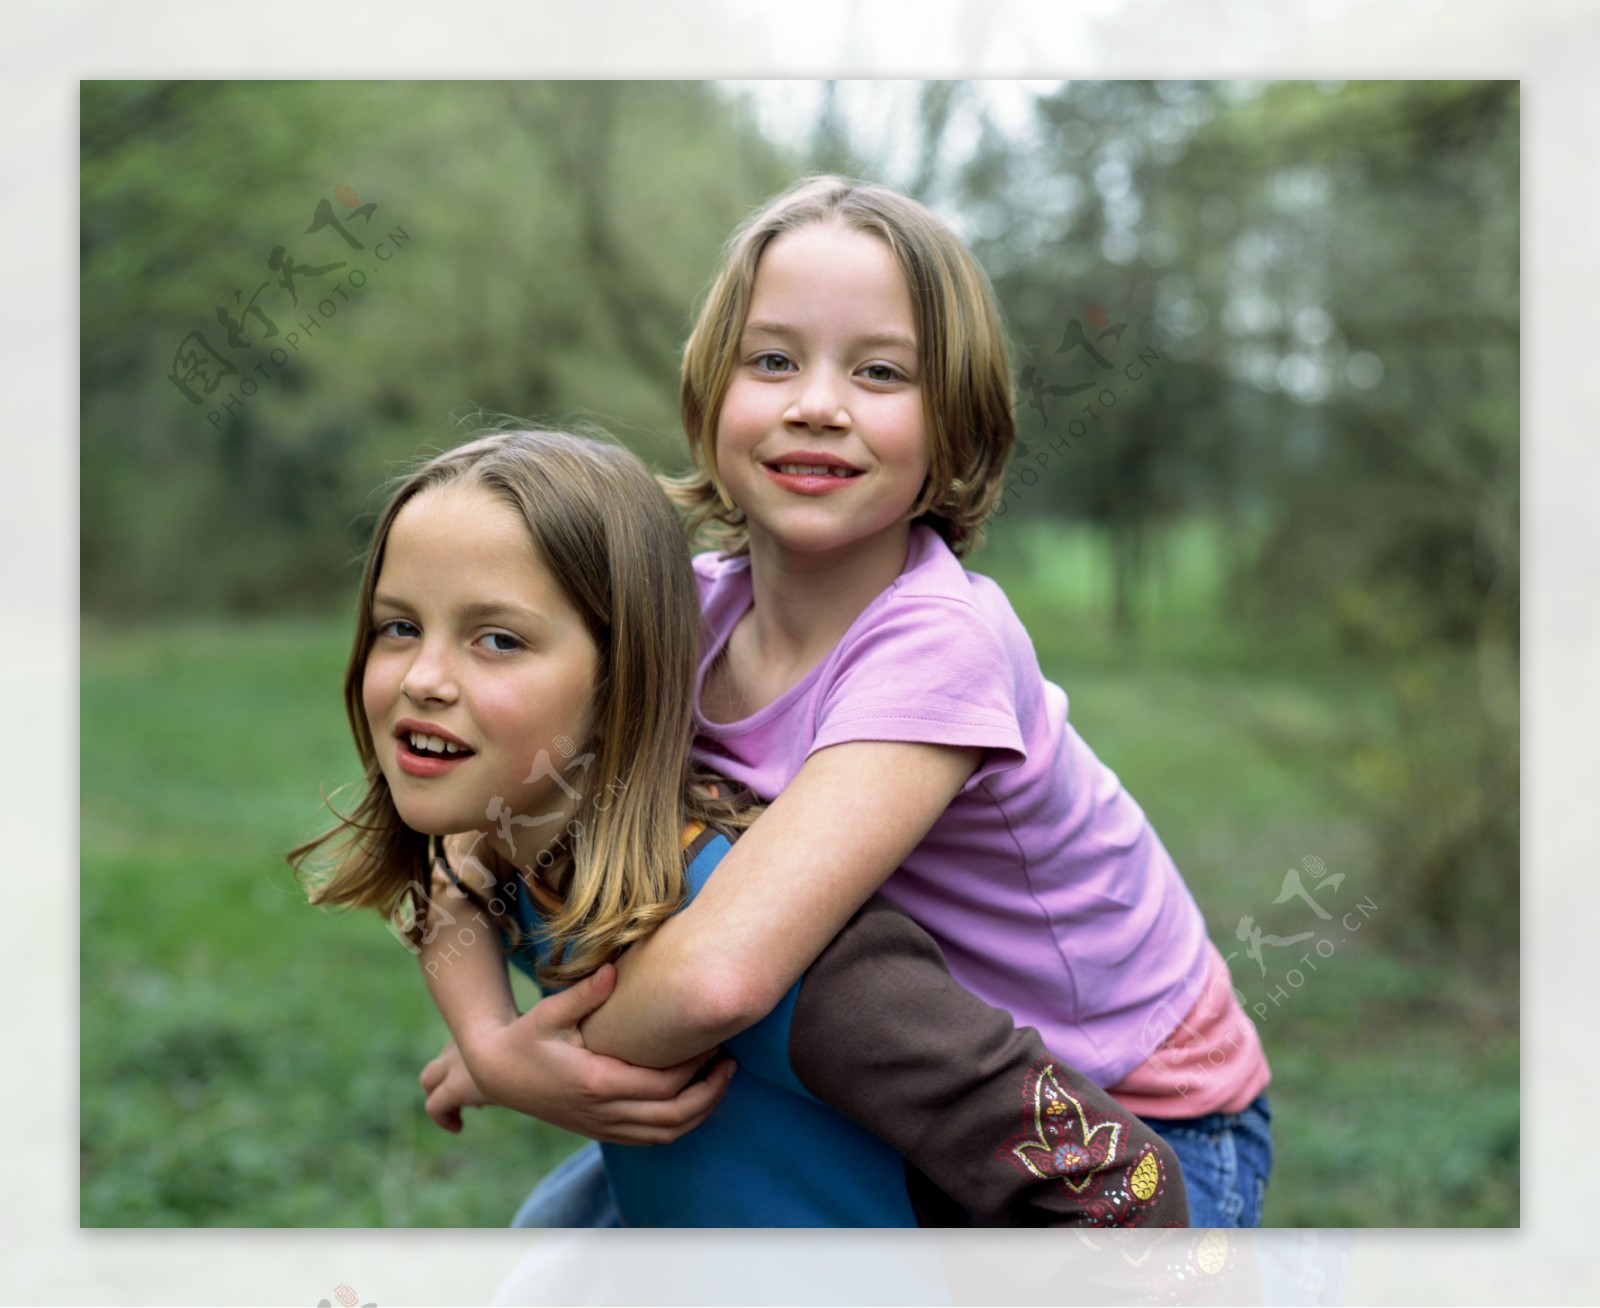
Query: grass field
(250, 1061)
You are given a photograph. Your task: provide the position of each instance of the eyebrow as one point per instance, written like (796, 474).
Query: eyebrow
(894, 340)
(478, 611)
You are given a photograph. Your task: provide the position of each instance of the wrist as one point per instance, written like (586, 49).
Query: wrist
(481, 1045)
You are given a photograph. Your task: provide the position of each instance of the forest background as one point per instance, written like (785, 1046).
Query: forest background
(1262, 525)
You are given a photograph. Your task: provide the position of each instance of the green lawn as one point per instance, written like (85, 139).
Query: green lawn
(250, 1061)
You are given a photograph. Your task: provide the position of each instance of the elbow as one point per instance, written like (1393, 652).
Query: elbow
(673, 1003)
(721, 1000)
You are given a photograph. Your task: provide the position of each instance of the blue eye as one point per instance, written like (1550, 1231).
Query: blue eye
(390, 627)
(511, 643)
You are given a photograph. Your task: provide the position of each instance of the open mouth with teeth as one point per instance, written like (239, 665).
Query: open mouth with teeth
(425, 746)
(813, 470)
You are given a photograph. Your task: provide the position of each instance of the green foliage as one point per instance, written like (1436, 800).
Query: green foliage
(1428, 1135)
(1326, 278)
(545, 246)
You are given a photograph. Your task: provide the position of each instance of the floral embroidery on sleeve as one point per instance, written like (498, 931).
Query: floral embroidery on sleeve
(1082, 1152)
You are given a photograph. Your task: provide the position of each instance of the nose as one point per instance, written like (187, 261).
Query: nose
(430, 678)
(819, 401)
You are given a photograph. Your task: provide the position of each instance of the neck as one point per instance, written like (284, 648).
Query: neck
(506, 864)
(804, 603)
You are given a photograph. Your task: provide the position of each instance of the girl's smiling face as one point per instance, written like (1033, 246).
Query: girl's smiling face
(821, 437)
(476, 646)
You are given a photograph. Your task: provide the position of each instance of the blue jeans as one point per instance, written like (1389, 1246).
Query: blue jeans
(573, 1194)
(1226, 1159)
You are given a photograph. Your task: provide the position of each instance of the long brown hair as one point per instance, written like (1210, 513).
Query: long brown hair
(602, 526)
(966, 376)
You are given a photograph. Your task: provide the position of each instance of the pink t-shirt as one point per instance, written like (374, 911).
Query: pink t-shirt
(1043, 881)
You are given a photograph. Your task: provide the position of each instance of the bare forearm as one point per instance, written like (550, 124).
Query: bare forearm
(667, 1006)
(778, 897)
(465, 971)
(726, 960)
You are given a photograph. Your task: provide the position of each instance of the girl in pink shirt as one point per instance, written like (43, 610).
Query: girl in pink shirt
(848, 401)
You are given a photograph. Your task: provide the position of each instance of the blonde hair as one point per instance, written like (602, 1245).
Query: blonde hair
(965, 372)
(612, 542)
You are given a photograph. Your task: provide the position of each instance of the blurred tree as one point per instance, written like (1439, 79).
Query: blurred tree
(1397, 523)
(1074, 224)
(556, 236)
(831, 146)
